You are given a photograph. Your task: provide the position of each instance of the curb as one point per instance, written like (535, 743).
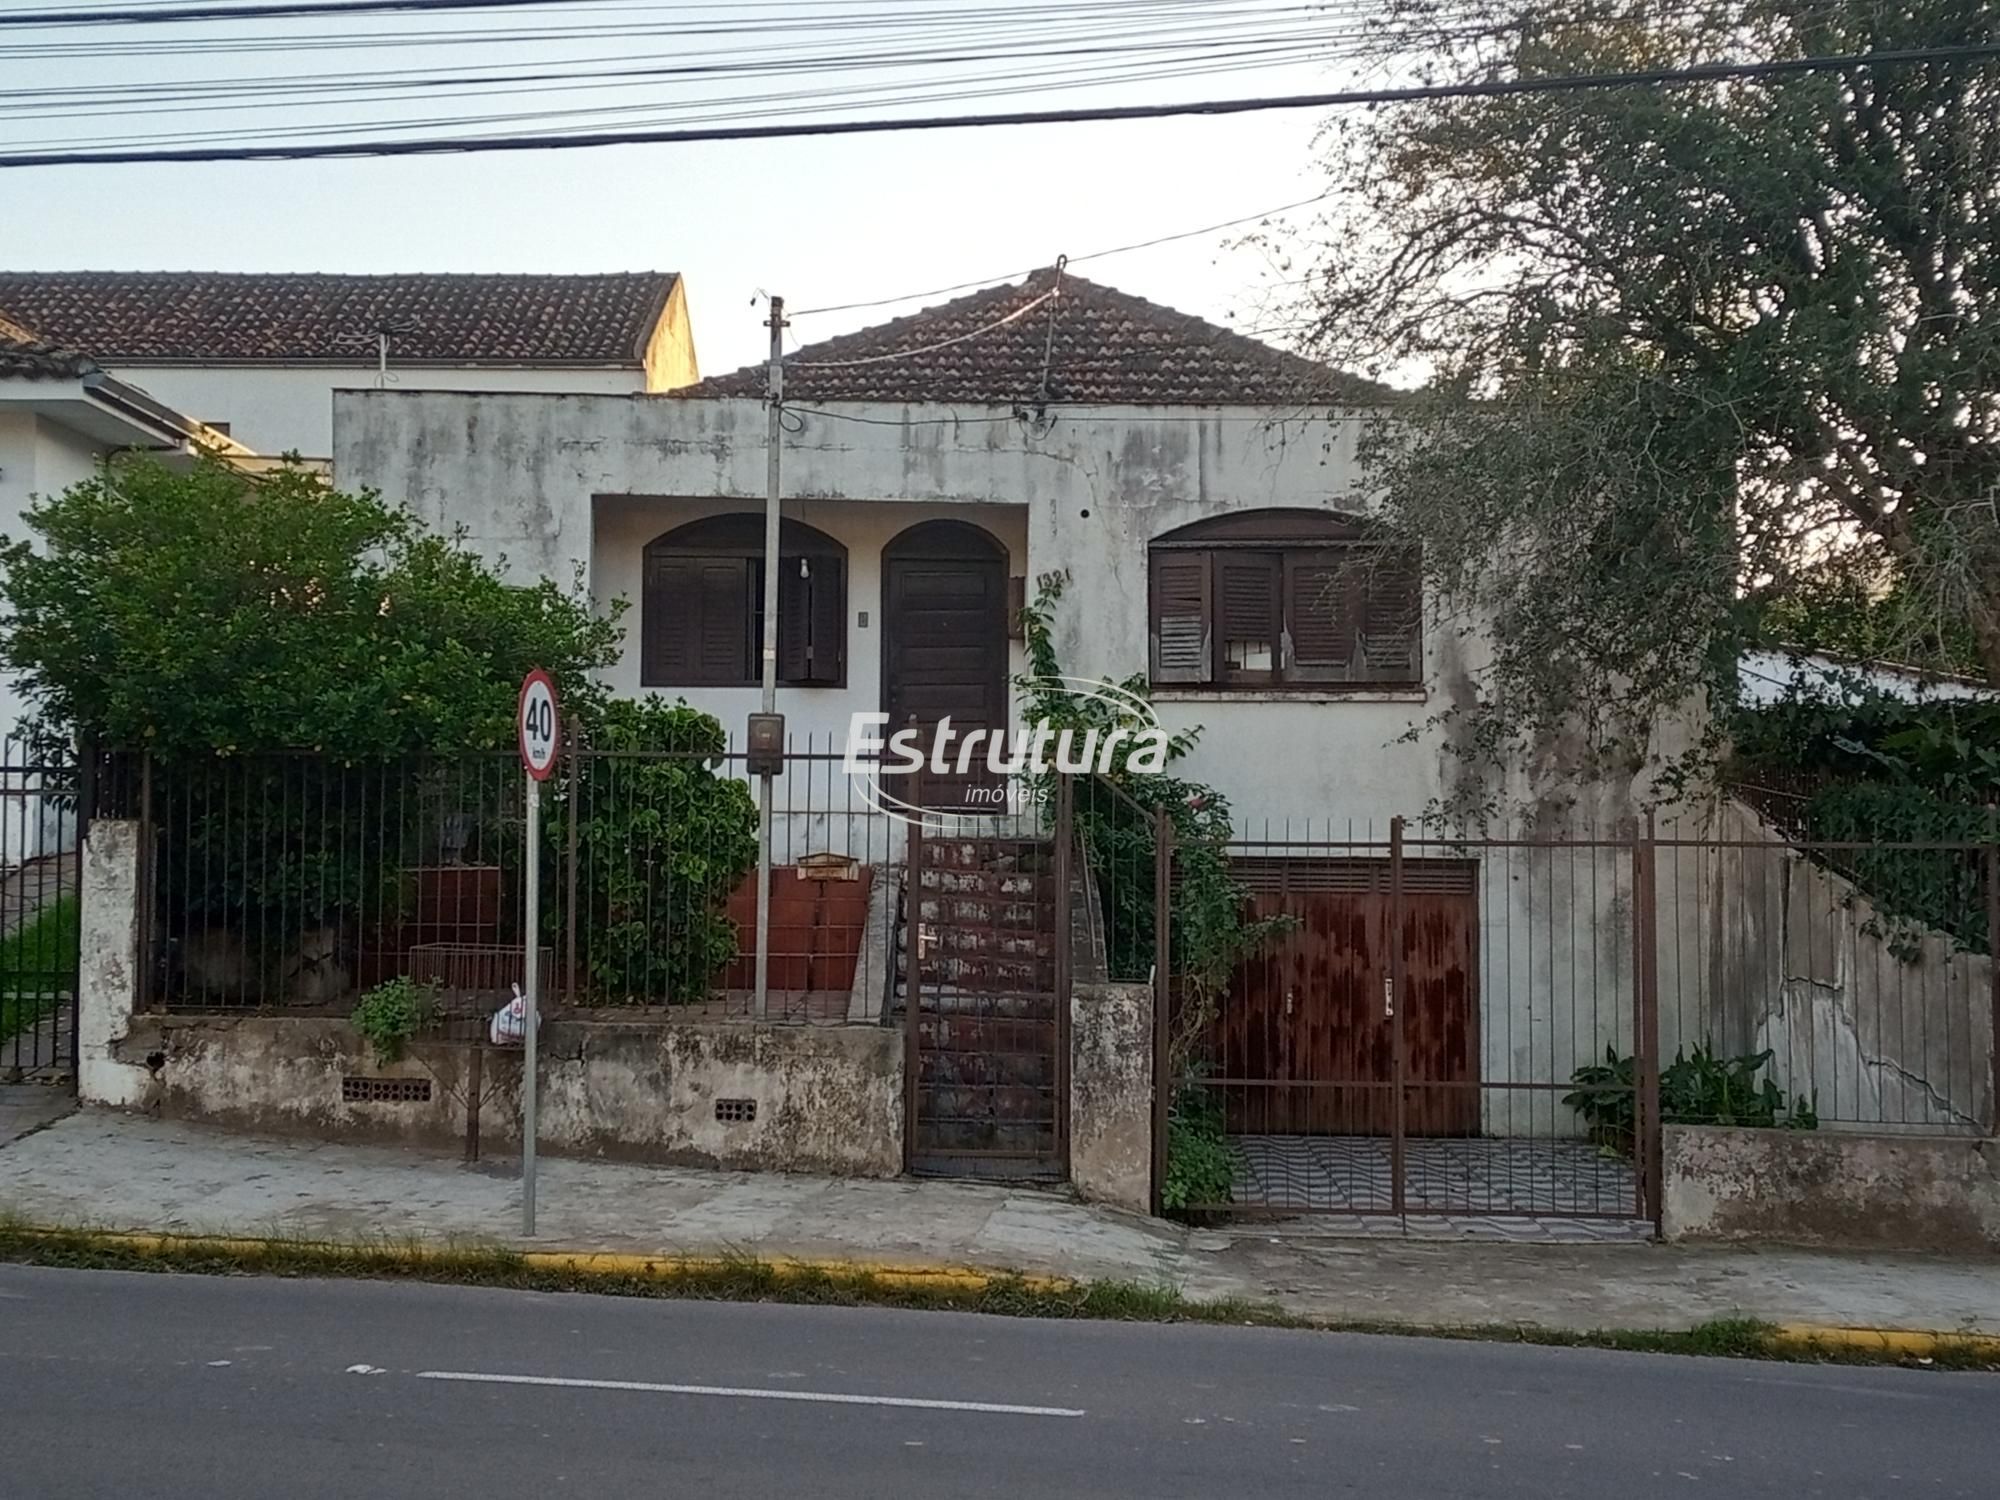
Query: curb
(1912, 1343)
(609, 1265)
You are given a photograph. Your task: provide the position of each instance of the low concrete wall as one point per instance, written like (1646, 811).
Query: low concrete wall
(1111, 1094)
(827, 1099)
(1832, 1187)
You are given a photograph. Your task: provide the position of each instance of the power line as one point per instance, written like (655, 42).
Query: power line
(879, 359)
(163, 14)
(448, 145)
(984, 281)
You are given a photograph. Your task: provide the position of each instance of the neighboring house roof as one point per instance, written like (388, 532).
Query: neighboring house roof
(1097, 344)
(1768, 676)
(170, 317)
(25, 353)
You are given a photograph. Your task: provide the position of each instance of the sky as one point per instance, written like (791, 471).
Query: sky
(818, 221)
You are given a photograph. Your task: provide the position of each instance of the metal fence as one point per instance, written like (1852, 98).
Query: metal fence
(296, 882)
(1413, 1025)
(1418, 1023)
(44, 803)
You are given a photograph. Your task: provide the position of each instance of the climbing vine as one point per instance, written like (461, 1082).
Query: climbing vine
(1210, 930)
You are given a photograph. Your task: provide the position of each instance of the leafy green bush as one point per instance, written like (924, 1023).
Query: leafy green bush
(393, 1012)
(662, 841)
(1201, 1164)
(204, 611)
(222, 622)
(1210, 930)
(1869, 768)
(1697, 1089)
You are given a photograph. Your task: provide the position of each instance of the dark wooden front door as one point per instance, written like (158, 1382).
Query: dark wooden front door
(944, 636)
(1306, 1027)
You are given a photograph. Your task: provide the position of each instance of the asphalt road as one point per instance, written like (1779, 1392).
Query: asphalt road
(115, 1384)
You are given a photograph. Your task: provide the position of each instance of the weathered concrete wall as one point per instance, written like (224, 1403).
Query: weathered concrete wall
(560, 485)
(1797, 961)
(1898, 1191)
(108, 969)
(1111, 1094)
(828, 1099)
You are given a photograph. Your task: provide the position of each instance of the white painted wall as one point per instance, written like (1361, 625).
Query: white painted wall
(38, 456)
(562, 485)
(557, 484)
(279, 409)
(624, 526)
(1766, 677)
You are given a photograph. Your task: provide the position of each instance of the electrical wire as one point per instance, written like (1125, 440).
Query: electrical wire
(986, 281)
(1496, 88)
(882, 359)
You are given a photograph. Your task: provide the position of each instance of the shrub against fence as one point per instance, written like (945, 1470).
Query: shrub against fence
(296, 880)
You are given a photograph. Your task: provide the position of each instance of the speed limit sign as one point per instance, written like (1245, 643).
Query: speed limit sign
(538, 726)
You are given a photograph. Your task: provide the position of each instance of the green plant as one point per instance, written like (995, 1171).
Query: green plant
(1201, 1164)
(1210, 931)
(393, 1012)
(37, 961)
(663, 838)
(202, 611)
(1675, 349)
(1695, 1089)
(1870, 768)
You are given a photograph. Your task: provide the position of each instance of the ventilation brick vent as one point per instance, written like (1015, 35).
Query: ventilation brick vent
(736, 1111)
(385, 1090)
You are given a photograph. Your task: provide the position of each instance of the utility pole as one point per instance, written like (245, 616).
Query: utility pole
(772, 488)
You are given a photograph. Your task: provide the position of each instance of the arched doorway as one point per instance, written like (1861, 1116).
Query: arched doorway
(944, 629)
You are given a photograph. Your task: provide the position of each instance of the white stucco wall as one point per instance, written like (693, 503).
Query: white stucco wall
(562, 485)
(278, 409)
(38, 456)
(558, 484)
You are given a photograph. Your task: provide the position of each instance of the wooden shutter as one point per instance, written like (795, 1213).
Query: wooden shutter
(668, 622)
(1391, 625)
(1352, 615)
(723, 633)
(1321, 615)
(812, 620)
(1247, 590)
(1182, 643)
(794, 622)
(827, 652)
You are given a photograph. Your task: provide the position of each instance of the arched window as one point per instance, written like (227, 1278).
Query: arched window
(701, 612)
(1270, 599)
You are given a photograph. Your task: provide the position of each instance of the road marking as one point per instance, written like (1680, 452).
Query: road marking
(754, 1393)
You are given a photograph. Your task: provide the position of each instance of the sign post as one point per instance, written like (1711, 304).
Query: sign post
(536, 727)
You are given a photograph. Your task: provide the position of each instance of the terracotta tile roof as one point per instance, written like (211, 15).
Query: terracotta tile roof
(1109, 347)
(200, 315)
(25, 353)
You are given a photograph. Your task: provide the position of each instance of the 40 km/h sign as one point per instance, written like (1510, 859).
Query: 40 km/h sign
(539, 728)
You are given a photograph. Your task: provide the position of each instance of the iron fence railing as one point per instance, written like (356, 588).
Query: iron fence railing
(44, 807)
(297, 882)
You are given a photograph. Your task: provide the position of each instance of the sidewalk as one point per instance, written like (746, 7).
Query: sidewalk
(105, 1170)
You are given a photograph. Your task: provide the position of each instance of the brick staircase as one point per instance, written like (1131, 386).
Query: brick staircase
(989, 1084)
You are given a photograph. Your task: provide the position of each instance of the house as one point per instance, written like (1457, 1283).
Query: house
(1200, 493)
(1405, 1037)
(1771, 676)
(259, 356)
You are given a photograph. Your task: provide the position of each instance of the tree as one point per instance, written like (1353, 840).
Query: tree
(200, 611)
(1691, 352)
